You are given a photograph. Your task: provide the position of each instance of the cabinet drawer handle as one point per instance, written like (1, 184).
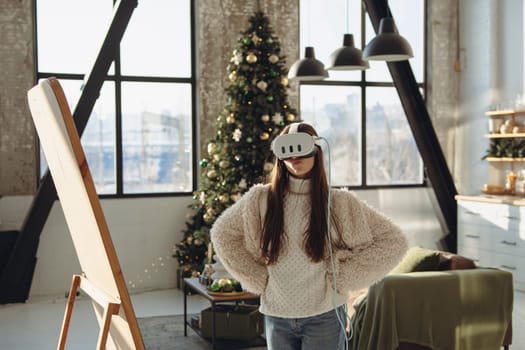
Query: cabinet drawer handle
(509, 243)
(471, 236)
(507, 267)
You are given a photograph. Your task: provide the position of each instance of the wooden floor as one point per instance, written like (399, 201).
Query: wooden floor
(36, 324)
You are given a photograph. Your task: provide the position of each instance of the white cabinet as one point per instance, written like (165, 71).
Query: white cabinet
(491, 231)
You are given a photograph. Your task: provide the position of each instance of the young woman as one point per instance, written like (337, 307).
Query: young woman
(275, 241)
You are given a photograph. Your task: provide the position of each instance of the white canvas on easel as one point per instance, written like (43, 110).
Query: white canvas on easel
(101, 275)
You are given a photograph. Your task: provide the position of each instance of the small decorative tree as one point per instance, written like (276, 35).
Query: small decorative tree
(239, 155)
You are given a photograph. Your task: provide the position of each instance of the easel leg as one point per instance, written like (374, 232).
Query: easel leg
(109, 311)
(110, 305)
(69, 310)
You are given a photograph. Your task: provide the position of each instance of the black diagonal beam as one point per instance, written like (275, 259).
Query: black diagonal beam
(421, 125)
(17, 274)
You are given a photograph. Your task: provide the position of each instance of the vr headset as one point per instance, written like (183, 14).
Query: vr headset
(295, 144)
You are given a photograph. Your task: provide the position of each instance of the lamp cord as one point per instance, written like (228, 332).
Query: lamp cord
(347, 19)
(308, 40)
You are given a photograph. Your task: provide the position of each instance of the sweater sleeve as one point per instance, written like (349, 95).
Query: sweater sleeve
(367, 260)
(233, 237)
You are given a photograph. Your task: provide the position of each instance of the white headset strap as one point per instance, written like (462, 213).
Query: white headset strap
(294, 127)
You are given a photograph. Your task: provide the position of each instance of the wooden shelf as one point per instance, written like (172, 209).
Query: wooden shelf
(504, 136)
(496, 199)
(504, 112)
(504, 159)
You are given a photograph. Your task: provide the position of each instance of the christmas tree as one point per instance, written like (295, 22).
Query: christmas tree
(239, 155)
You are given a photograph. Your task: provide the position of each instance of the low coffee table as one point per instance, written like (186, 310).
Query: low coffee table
(193, 285)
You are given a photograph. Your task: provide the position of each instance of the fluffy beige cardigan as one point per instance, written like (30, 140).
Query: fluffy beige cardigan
(374, 244)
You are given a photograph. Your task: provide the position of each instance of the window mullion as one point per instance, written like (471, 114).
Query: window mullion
(363, 135)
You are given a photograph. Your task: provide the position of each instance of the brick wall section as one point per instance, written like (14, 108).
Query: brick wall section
(443, 73)
(17, 135)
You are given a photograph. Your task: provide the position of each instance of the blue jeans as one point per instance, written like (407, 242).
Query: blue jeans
(323, 332)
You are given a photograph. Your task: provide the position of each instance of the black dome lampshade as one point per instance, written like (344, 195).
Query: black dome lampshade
(308, 68)
(388, 45)
(347, 57)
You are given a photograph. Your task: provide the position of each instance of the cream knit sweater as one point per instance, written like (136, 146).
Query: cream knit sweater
(296, 287)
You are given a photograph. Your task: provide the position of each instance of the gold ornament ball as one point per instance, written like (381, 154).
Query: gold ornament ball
(291, 117)
(262, 85)
(212, 147)
(230, 119)
(211, 174)
(251, 58)
(284, 81)
(232, 76)
(273, 58)
(224, 198)
(224, 164)
(265, 118)
(264, 136)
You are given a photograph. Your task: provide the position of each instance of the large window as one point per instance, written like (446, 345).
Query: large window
(139, 139)
(360, 113)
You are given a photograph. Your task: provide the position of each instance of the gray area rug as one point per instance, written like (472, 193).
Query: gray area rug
(167, 332)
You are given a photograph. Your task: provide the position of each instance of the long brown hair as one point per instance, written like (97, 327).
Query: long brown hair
(273, 237)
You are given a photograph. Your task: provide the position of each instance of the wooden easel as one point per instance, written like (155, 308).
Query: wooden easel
(109, 304)
(101, 277)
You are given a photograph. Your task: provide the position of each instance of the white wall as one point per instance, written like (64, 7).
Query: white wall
(144, 231)
(414, 209)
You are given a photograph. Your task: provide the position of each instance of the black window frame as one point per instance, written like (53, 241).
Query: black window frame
(117, 78)
(363, 84)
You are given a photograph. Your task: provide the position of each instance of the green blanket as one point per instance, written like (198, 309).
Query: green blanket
(443, 310)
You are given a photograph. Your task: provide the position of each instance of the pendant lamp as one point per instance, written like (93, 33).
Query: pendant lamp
(388, 45)
(307, 69)
(347, 57)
